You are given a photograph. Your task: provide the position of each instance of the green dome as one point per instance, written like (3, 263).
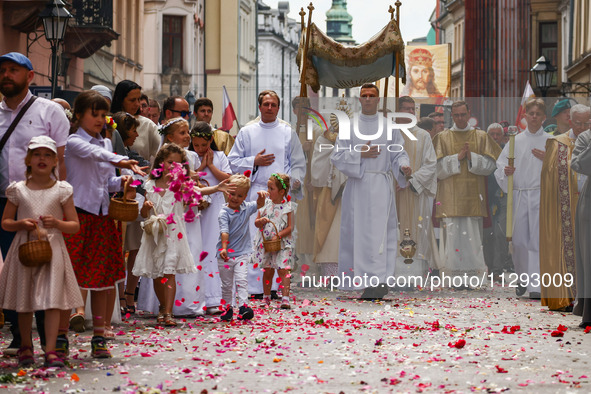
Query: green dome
(339, 24)
(338, 11)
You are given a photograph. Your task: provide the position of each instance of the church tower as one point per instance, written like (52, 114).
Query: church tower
(339, 23)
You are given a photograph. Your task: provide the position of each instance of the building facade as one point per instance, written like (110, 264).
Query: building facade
(278, 40)
(230, 57)
(89, 29)
(577, 41)
(174, 32)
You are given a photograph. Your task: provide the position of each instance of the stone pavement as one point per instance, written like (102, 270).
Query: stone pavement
(416, 341)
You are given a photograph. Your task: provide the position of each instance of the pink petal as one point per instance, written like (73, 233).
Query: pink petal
(203, 255)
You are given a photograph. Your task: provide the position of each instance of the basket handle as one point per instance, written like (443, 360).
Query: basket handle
(276, 231)
(125, 189)
(38, 233)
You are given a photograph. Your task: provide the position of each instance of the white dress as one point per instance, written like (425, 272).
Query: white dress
(166, 253)
(278, 214)
(53, 285)
(210, 232)
(190, 288)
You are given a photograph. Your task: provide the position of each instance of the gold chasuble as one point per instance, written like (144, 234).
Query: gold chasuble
(223, 140)
(558, 203)
(463, 195)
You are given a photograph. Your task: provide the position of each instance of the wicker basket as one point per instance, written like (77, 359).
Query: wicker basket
(203, 203)
(272, 246)
(122, 209)
(35, 253)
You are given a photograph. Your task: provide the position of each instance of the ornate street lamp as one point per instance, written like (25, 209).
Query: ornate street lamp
(55, 18)
(543, 73)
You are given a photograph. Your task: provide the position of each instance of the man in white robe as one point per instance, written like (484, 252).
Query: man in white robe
(369, 225)
(263, 148)
(530, 146)
(415, 202)
(465, 157)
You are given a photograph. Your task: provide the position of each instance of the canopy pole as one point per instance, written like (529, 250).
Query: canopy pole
(303, 90)
(397, 87)
(387, 79)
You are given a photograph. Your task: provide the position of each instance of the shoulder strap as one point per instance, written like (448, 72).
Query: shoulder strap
(15, 122)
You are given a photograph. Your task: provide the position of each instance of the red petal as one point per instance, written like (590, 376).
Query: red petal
(203, 255)
(180, 235)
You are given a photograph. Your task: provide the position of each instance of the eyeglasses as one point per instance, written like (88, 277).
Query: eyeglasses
(183, 114)
(581, 124)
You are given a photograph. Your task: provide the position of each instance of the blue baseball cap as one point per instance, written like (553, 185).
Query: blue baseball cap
(17, 58)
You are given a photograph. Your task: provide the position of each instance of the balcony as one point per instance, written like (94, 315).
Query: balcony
(22, 15)
(91, 27)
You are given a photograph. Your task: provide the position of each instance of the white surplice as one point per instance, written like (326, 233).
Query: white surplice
(461, 236)
(526, 200)
(274, 138)
(369, 226)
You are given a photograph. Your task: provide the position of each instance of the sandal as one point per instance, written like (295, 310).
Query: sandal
(160, 317)
(169, 321)
(55, 362)
(129, 308)
(109, 333)
(25, 360)
(77, 321)
(122, 308)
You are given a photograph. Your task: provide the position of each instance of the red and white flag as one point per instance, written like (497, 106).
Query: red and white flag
(229, 115)
(527, 94)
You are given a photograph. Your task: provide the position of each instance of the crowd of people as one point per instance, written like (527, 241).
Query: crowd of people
(191, 243)
(223, 221)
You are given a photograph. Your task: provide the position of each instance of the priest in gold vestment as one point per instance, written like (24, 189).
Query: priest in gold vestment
(465, 157)
(560, 188)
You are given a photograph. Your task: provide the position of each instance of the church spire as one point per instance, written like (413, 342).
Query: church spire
(339, 23)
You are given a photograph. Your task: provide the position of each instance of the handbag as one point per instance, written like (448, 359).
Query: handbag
(155, 225)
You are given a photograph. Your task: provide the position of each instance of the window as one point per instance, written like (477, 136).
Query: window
(549, 44)
(172, 42)
(458, 45)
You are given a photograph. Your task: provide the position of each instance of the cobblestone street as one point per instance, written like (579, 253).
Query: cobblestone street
(417, 341)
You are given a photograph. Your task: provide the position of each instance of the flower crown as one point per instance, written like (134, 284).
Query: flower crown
(162, 128)
(202, 134)
(280, 180)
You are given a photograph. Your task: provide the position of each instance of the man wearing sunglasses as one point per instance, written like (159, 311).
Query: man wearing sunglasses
(175, 106)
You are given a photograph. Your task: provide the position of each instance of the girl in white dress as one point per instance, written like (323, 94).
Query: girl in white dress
(42, 202)
(190, 293)
(279, 211)
(214, 168)
(164, 250)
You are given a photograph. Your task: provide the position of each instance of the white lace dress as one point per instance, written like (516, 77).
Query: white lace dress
(166, 253)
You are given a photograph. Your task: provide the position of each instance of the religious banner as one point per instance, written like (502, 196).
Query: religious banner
(428, 71)
(332, 64)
